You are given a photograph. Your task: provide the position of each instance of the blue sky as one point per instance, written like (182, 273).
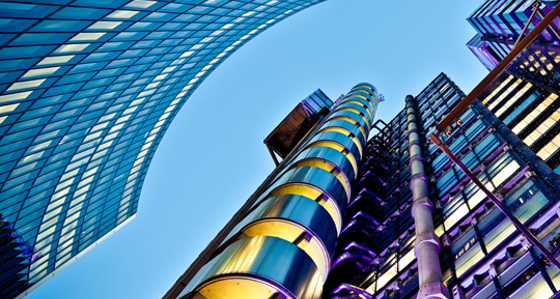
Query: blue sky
(212, 157)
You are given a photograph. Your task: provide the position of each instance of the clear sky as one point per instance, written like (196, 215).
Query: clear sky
(212, 157)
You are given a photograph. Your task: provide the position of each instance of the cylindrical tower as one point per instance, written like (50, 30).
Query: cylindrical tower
(284, 245)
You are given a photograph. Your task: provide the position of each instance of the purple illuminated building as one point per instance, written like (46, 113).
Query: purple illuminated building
(530, 85)
(390, 217)
(481, 254)
(362, 208)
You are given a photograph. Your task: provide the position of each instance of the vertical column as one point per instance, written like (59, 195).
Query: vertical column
(427, 242)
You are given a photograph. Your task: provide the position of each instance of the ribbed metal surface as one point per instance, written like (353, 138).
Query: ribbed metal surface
(303, 207)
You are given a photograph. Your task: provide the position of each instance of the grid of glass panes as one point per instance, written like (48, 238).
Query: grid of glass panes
(499, 24)
(476, 229)
(88, 88)
(532, 113)
(501, 18)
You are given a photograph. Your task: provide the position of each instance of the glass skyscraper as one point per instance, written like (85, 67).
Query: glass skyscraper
(393, 216)
(412, 221)
(357, 208)
(481, 254)
(530, 107)
(87, 90)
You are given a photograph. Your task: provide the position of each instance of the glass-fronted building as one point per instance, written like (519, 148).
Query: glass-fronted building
(414, 224)
(87, 90)
(529, 88)
(481, 254)
(500, 23)
(398, 219)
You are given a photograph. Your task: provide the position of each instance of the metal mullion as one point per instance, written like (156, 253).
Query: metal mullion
(544, 274)
(435, 139)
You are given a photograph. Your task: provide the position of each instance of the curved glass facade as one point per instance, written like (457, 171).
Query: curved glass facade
(300, 209)
(87, 90)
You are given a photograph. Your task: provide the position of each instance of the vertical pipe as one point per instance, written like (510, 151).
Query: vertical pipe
(427, 242)
(535, 8)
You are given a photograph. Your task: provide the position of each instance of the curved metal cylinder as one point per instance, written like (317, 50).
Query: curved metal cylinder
(318, 177)
(357, 110)
(350, 120)
(286, 240)
(314, 193)
(334, 156)
(357, 117)
(257, 267)
(327, 166)
(296, 219)
(341, 138)
(364, 93)
(357, 141)
(359, 104)
(341, 148)
(348, 125)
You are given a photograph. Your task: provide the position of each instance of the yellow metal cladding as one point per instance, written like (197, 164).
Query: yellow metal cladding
(285, 244)
(339, 147)
(368, 89)
(352, 121)
(361, 104)
(360, 113)
(316, 194)
(370, 92)
(328, 166)
(293, 233)
(364, 95)
(253, 268)
(239, 287)
(348, 133)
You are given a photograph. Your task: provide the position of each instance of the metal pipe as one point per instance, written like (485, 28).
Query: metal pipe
(435, 139)
(351, 288)
(535, 8)
(427, 247)
(552, 26)
(273, 155)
